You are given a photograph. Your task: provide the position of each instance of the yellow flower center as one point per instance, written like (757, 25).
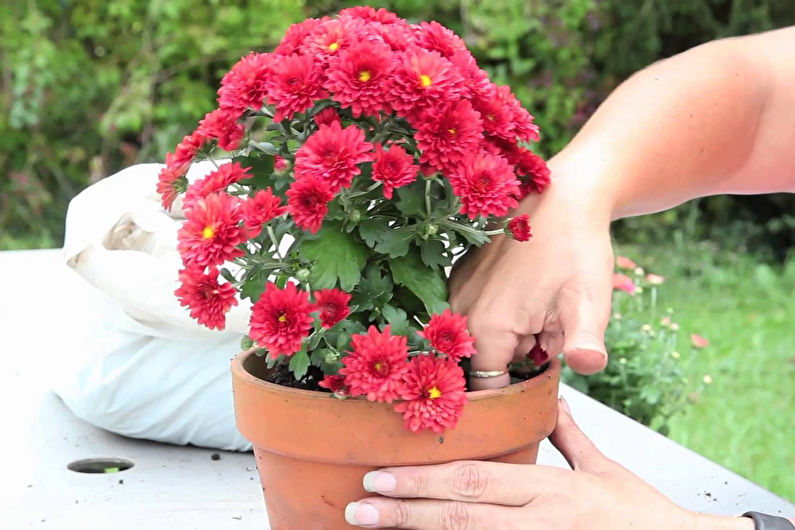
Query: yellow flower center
(334, 46)
(208, 232)
(425, 80)
(364, 76)
(282, 318)
(434, 393)
(451, 131)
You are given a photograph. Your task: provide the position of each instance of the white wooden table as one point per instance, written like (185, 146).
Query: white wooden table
(184, 488)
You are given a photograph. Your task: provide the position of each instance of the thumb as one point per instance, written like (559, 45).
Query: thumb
(584, 325)
(578, 450)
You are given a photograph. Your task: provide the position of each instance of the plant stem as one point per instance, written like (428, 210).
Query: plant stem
(275, 242)
(364, 192)
(428, 198)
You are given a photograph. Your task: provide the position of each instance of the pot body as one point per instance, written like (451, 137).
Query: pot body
(312, 450)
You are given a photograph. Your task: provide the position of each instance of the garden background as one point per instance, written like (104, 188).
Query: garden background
(88, 87)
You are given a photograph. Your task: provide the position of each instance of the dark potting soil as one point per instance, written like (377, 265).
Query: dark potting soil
(281, 375)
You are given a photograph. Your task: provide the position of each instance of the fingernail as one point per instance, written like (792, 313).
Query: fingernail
(564, 405)
(361, 514)
(379, 482)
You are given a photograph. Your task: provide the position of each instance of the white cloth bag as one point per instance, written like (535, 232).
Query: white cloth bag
(137, 364)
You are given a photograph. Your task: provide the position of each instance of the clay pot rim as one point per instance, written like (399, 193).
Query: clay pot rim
(240, 372)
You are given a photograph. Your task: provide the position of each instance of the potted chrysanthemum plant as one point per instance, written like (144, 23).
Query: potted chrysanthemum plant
(352, 165)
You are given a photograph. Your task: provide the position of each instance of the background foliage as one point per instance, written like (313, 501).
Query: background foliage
(88, 87)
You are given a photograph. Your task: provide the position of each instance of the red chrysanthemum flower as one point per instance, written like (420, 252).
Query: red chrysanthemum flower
(448, 135)
(335, 383)
(434, 393)
(280, 164)
(281, 319)
(260, 209)
(327, 116)
(435, 37)
(423, 80)
(333, 304)
(307, 202)
(538, 355)
(368, 13)
(533, 172)
(212, 231)
(486, 185)
(476, 80)
(359, 78)
(395, 168)
(245, 85)
(296, 34)
(218, 180)
(376, 365)
(295, 85)
(171, 182)
(333, 154)
(329, 38)
(447, 333)
(519, 228)
(222, 124)
(187, 149)
(496, 113)
(208, 300)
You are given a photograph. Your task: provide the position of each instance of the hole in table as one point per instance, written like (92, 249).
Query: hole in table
(101, 465)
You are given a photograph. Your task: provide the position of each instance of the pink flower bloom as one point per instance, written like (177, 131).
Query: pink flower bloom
(245, 85)
(486, 185)
(335, 383)
(376, 365)
(216, 181)
(424, 80)
(212, 233)
(295, 85)
(447, 333)
(538, 356)
(623, 262)
(281, 319)
(434, 394)
(222, 124)
(519, 228)
(624, 283)
(333, 154)
(208, 300)
(261, 208)
(359, 77)
(333, 304)
(448, 135)
(395, 168)
(698, 341)
(307, 202)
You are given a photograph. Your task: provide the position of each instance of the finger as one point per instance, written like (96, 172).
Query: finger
(526, 344)
(426, 514)
(495, 348)
(467, 481)
(584, 316)
(551, 342)
(578, 450)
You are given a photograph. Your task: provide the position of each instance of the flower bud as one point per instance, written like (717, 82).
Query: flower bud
(331, 357)
(429, 230)
(302, 275)
(354, 215)
(246, 343)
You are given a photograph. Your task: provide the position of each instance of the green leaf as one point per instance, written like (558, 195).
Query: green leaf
(374, 290)
(433, 254)
(261, 165)
(227, 275)
(412, 199)
(299, 364)
(428, 284)
(395, 243)
(334, 256)
(472, 236)
(397, 319)
(254, 284)
(370, 229)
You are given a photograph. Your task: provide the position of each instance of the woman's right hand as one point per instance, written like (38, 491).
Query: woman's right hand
(557, 286)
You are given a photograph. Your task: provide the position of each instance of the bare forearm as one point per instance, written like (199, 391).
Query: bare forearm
(719, 118)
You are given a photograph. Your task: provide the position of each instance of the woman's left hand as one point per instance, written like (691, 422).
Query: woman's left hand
(596, 494)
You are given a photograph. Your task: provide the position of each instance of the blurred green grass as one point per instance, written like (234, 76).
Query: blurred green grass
(746, 308)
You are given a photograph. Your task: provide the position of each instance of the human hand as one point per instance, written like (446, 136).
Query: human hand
(598, 494)
(557, 286)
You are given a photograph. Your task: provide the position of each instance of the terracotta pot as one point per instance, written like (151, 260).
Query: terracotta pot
(312, 450)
